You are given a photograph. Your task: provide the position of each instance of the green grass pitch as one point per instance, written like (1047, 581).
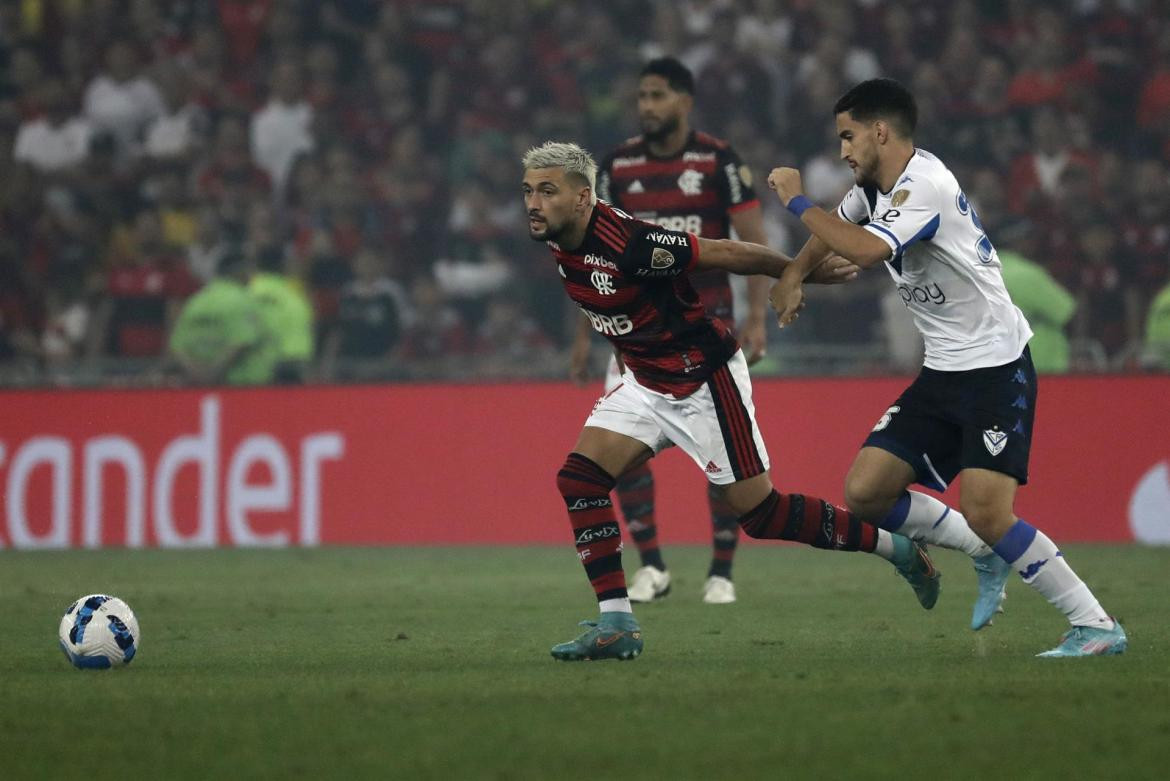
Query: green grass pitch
(433, 663)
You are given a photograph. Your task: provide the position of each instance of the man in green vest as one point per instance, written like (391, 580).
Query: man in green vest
(1043, 300)
(1157, 355)
(287, 314)
(220, 336)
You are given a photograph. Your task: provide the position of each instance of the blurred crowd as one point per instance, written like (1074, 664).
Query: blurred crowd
(352, 165)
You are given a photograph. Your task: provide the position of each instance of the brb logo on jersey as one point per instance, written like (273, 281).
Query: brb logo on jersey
(691, 182)
(609, 325)
(603, 282)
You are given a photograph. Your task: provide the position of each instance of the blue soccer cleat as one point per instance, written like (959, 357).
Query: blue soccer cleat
(613, 636)
(912, 563)
(992, 572)
(1090, 641)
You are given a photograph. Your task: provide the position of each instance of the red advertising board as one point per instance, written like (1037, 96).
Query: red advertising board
(475, 464)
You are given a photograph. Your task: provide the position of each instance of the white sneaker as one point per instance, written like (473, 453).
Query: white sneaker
(718, 591)
(650, 583)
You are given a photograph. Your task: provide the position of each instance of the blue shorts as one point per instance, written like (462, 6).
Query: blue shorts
(946, 422)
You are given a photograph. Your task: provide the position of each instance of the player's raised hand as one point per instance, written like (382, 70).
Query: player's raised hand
(834, 270)
(786, 183)
(787, 298)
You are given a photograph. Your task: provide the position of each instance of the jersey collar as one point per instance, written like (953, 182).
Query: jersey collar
(903, 176)
(687, 145)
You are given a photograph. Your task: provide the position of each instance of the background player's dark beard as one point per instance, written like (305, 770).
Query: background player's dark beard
(667, 127)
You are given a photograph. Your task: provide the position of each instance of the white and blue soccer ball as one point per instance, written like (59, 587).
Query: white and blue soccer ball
(99, 631)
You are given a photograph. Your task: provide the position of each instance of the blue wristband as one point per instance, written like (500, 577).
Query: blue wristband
(799, 205)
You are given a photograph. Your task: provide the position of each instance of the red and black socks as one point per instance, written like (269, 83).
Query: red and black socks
(585, 487)
(724, 534)
(809, 520)
(635, 490)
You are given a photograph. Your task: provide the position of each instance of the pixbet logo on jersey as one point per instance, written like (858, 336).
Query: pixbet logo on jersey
(598, 260)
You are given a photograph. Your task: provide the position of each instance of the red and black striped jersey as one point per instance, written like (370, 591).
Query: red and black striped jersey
(630, 279)
(696, 191)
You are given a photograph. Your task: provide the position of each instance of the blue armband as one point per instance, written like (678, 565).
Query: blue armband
(799, 205)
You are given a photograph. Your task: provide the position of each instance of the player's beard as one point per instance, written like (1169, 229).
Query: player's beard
(662, 132)
(866, 175)
(549, 233)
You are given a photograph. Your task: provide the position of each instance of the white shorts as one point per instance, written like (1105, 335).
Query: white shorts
(715, 425)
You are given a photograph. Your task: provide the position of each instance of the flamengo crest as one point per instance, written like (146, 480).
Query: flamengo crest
(603, 282)
(691, 182)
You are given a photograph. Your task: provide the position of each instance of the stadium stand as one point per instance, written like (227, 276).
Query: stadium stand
(370, 150)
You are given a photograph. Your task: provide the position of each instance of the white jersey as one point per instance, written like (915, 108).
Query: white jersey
(945, 267)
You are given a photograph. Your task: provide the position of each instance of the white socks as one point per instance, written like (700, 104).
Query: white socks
(923, 518)
(1041, 565)
(620, 605)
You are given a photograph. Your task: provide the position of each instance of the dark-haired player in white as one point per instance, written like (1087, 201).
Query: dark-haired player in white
(970, 411)
(685, 383)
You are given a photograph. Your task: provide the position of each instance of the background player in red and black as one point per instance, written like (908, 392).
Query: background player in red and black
(687, 180)
(683, 180)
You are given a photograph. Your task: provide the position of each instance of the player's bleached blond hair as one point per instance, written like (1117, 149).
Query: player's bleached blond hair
(557, 154)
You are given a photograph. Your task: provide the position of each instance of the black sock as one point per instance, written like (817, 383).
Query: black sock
(635, 490)
(725, 533)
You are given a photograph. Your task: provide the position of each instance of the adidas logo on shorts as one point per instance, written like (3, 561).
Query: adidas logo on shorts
(711, 468)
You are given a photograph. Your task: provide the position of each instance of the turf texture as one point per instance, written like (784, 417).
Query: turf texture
(433, 663)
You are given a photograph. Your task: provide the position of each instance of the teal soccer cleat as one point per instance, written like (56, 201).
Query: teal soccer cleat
(992, 572)
(1090, 641)
(912, 563)
(613, 636)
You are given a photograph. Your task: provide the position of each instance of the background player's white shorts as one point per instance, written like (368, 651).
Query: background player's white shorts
(715, 425)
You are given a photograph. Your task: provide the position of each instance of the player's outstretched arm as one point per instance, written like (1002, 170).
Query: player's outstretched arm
(814, 263)
(811, 255)
(740, 257)
(846, 239)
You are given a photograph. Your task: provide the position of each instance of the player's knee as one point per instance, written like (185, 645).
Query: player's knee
(567, 483)
(579, 476)
(756, 520)
(985, 517)
(753, 525)
(867, 498)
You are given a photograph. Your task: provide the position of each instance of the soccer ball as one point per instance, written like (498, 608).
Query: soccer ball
(99, 631)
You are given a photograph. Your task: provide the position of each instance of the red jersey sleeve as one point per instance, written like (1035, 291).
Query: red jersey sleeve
(735, 181)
